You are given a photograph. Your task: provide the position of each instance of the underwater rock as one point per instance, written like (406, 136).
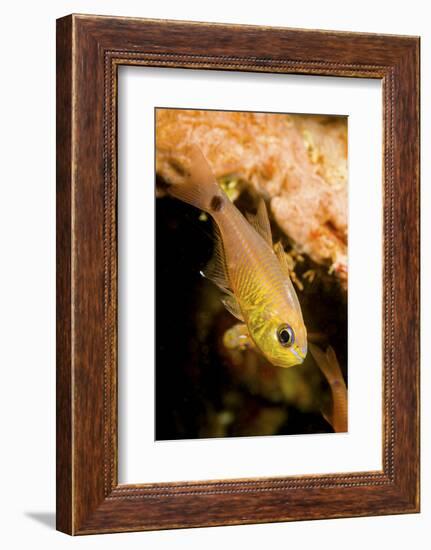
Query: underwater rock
(297, 163)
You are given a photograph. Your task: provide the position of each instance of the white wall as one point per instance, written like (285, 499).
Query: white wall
(27, 308)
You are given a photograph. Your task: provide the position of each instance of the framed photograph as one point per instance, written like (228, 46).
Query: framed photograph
(237, 274)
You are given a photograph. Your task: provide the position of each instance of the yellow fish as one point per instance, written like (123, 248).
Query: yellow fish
(237, 338)
(253, 275)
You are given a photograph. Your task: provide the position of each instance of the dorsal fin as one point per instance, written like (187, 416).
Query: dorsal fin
(260, 222)
(289, 273)
(281, 255)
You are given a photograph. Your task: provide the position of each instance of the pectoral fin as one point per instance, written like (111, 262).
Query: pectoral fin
(230, 303)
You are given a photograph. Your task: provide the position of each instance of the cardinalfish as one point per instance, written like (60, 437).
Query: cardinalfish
(327, 361)
(252, 274)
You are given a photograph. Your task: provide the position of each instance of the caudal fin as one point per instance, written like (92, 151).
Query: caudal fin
(190, 178)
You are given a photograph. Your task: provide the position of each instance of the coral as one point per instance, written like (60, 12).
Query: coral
(298, 163)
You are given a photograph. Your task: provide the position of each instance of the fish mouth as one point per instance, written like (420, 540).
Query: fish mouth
(300, 353)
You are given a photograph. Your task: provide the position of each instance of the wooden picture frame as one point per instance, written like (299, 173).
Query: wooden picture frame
(89, 51)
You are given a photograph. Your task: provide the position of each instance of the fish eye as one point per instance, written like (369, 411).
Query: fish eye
(285, 335)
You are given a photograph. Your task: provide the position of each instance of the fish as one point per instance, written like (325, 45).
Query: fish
(238, 338)
(252, 274)
(328, 363)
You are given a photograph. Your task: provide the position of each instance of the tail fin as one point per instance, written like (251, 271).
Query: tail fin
(191, 179)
